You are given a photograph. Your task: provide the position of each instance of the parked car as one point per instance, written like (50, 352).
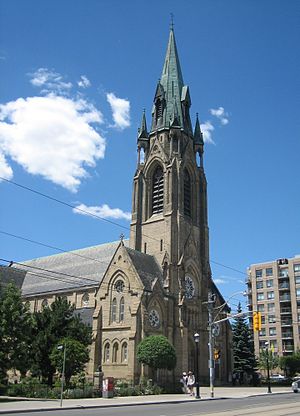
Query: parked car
(277, 377)
(296, 386)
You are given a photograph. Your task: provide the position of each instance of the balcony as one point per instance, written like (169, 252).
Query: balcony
(285, 298)
(288, 348)
(286, 310)
(284, 286)
(283, 276)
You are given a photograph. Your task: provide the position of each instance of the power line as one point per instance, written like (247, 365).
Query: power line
(61, 279)
(72, 252)
(49, 246)
(51, 198)
(51, 271)
(228, 267)
(98, 217)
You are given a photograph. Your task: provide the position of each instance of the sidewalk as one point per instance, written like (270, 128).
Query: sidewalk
(22, 405)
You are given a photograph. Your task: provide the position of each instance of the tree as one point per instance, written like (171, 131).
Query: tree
(77, 355)
(290, 364)
(264, 357)
(52, 324)
(156, 352)
(244, 361)
(15, 331)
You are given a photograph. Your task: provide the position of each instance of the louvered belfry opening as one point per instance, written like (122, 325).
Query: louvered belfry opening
(187, 193)
(159, 109)
(158, 191)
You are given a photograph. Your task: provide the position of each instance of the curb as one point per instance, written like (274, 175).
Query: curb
(103, 406)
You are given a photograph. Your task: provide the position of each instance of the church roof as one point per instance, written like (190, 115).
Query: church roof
(147, 267)
(74, 269)
(11, 275)
(86, 315)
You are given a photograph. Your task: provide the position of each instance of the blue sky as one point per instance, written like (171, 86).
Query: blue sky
(75, 78)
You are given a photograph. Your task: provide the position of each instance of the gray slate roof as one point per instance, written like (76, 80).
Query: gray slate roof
(86, 267)
(146, 266)
(11, 275)
(86, 315)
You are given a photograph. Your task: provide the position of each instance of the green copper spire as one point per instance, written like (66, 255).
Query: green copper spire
(171, 99)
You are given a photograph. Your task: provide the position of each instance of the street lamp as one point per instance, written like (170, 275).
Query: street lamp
(62, 347)
(197, 339)
(268, 366)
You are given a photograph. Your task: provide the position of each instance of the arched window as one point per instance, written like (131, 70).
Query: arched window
(115, 352)
(187, 193)
(85, 300)
(124, 352)
(158, 191)
(121, 310)
(106, 352)
(44, 303)
(114, 310)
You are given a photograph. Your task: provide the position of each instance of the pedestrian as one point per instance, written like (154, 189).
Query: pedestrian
(233, 379)
(191, 383)
(183, 381)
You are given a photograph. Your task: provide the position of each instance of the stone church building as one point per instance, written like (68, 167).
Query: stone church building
(158, 281)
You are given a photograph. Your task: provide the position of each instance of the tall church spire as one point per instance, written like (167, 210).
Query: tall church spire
(171, 97)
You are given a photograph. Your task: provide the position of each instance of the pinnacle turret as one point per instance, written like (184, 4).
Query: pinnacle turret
(142, 131)
(198, 137)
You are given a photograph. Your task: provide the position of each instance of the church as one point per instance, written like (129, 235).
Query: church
(159, 280)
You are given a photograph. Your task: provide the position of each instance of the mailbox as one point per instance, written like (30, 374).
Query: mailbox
(108, 387)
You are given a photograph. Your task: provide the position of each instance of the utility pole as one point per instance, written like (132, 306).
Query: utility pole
(62, 347)
(210, 307)
(213, 331)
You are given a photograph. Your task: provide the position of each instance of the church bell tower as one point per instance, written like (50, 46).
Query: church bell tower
(169, 207)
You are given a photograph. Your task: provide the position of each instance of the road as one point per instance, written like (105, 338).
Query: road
(273, 405)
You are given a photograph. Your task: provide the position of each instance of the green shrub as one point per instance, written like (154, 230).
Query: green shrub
(32, 388)
(28, 388)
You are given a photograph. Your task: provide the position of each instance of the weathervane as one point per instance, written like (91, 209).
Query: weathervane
(172, 21)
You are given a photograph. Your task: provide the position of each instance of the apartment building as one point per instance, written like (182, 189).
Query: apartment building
(274, 290)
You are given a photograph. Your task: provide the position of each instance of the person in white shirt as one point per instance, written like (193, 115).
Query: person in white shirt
(191, 383)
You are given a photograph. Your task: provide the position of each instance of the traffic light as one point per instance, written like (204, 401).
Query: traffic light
(217, 354)
(257, 321)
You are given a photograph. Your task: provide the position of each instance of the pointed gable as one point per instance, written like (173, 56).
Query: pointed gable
(147, 268)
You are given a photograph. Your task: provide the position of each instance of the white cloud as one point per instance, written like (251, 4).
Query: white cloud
(207, 128)
(104, 211)
(51, 136)
(5, 170)
(50, 81)
(120, 111)
(84, 82)
(219, 281)
(220, 114)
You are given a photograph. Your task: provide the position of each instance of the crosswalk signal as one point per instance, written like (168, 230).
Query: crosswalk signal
(217, 354)
(257, 321)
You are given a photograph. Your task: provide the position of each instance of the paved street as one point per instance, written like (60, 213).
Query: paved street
(228, 402)
(275, 405)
